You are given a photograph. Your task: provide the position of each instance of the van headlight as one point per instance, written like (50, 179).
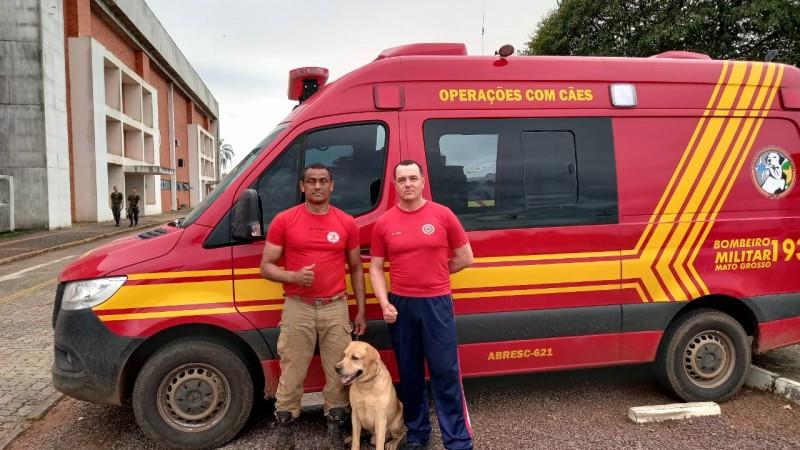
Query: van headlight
(90, 293)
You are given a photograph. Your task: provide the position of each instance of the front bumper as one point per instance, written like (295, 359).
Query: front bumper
(89, 359)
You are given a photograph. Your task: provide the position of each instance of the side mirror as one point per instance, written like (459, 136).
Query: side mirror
(246, 217)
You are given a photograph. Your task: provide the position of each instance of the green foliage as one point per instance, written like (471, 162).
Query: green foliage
(723, 29)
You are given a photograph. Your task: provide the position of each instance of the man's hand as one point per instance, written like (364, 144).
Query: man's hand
(389, 313)
(304, 277)
(361, 324)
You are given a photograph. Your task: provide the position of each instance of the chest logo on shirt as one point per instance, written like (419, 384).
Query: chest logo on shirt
(333, 237)
(428, 229)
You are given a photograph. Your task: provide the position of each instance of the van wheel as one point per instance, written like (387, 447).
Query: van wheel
(704, 356)
(193, 394)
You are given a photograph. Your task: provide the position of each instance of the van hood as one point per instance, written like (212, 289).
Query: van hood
(123, 252)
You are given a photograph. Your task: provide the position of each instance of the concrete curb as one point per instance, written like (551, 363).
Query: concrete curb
(45, 407)
(765, 380)
(71, 244)
(35, 415)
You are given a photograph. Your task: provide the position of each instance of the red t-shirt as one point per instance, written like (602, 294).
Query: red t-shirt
(315, 239)
(418, 245)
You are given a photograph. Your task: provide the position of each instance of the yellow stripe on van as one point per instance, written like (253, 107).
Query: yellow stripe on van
(169, 294)
(703, 162)
(562, 273)
(254, 289)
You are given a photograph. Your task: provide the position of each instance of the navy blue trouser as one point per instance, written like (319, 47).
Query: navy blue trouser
(426, 330)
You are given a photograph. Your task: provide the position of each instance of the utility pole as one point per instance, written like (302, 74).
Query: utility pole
(483, 26)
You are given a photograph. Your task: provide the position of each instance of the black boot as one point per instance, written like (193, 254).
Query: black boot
(337, 419)
(285, 439)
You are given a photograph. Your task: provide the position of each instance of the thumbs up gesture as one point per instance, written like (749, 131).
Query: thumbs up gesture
(304, 277)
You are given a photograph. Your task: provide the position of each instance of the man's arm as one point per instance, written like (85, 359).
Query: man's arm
(357, 281)
(378, 280)
(270, 271)
(462, 258)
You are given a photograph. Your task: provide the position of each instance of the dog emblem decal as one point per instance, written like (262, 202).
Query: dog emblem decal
(333, 237)
(428, 229)
(773, 172)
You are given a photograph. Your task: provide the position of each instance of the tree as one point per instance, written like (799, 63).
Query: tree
(226, 154)
(723, 29)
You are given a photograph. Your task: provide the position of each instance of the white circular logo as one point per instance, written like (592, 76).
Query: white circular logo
(773, 172)
(428, 229)
(333, 237)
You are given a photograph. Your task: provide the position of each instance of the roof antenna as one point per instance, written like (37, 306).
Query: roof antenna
(483, 26)
(772, 54)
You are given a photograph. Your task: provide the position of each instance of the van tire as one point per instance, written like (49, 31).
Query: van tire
(193, 394)
(704, 356)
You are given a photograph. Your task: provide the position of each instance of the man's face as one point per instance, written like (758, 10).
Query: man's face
(115, 189)
(409, 182)
(317, 185)
(134, 190)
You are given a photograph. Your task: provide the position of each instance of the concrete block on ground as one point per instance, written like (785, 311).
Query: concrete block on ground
(760, 379)
(312, 399)
(675, 411)
(789, 389)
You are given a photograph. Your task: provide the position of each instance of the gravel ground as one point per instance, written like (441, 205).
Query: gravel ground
(566, 410)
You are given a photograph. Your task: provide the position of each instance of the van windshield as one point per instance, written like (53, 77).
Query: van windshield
(232, 175)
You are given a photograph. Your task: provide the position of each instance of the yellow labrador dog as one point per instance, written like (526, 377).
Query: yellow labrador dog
(373, 400)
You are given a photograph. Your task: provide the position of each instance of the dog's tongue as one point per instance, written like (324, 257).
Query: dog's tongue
(347, 379)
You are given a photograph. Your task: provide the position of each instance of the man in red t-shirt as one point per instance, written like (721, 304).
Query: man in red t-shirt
(417, 237)
(314, 239)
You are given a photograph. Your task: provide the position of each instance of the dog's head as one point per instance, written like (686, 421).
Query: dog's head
(359, 359)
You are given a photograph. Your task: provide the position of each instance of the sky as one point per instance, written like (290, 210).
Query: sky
(243, 49)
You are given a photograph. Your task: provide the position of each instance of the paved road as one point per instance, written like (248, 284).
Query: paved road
(27, 290)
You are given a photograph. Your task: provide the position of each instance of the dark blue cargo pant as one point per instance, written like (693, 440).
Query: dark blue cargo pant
(425, 330)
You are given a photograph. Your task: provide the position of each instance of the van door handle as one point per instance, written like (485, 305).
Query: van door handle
(571, 168)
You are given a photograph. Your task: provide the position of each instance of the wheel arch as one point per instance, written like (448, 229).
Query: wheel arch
(200, 331)
(732, 306)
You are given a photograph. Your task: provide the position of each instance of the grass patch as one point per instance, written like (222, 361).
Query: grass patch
(14, 234)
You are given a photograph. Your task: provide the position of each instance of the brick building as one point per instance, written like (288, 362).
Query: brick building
(97, 94)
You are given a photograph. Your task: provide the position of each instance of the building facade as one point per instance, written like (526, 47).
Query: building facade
(98, 95)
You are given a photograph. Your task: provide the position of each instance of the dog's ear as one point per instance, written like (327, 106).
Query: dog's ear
(374, 359)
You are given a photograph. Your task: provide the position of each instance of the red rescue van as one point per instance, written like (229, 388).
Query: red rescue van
(621, 211)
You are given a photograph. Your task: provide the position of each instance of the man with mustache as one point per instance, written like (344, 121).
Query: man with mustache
(315, 240)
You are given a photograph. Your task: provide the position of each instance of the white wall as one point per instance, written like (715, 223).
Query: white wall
(55, 114)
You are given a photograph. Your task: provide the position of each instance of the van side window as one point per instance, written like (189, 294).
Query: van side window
(278, 187)
(518, 173)
(470, 161)
(355, 155)
(548, 161)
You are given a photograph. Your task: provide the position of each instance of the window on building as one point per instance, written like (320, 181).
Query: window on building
(517, 173)
(355, 155)
(180, 162)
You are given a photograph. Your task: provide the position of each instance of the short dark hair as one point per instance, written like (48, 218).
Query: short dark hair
(408, 162)
(316, 165)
